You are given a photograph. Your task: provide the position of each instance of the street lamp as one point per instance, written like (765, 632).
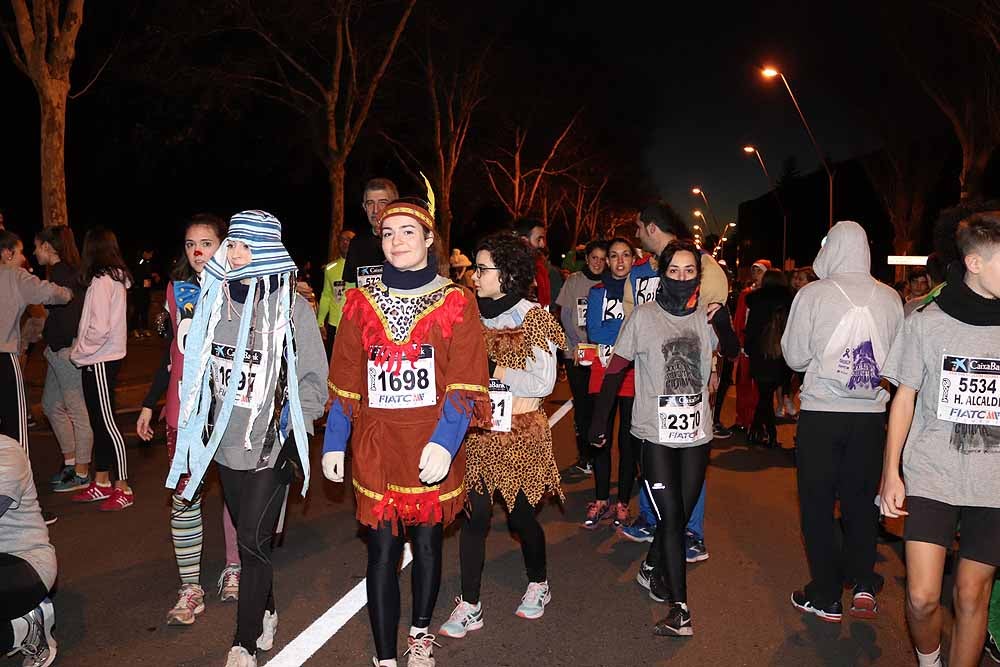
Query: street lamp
(770, 73)
(784, 214)
(699, 191)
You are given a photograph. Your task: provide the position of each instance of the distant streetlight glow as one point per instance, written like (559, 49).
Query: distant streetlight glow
(749, 149)
(698, 214)
(698, 227)
(770, 72)
(696, 191)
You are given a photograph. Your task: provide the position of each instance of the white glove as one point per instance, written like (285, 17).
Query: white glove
(434, 463)
(333, 466)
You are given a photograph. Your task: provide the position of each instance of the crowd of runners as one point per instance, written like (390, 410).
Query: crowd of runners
(434, 386)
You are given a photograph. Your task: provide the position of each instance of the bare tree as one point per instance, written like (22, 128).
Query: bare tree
(519, 187)
(44, 52)
(336, 84)
(585, 204)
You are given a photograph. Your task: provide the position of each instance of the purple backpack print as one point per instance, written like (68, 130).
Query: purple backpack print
(855, 353)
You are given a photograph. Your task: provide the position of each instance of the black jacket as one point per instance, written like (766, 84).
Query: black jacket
(365, 250)
(763, 304)
(63, 321)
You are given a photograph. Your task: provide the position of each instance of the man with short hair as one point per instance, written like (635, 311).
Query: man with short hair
(935, 274)
(548, 280)
(331, 302)
(366, 250)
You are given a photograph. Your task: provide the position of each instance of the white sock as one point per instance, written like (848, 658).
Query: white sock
(414, 630)
(69, 462)
(21, 627)
(103, 486)
(387, 663)
(684, 606)
(932, 659)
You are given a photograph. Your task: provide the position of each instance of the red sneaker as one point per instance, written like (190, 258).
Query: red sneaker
(93, 493)
(118, 501)
(597, 511)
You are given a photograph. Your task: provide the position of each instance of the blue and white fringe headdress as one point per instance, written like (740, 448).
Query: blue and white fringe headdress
(261, 231)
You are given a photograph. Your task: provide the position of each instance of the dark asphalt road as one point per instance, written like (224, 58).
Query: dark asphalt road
(117, 577)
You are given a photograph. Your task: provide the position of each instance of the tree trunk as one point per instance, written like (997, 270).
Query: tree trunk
(444, 219)
(973, 172)
(337, 170)
(52, 94)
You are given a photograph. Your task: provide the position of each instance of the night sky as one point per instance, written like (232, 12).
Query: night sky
(670, 92)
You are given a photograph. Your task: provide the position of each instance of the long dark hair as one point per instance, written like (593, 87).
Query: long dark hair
(61, 238)
(182, 271)
(102, 257)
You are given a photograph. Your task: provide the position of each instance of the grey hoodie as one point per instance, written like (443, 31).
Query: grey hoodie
(818, 308)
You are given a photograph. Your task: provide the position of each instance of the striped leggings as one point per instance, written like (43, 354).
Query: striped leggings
(13, 400)
(99, 383)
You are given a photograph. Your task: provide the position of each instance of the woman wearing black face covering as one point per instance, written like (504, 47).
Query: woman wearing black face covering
(670, 341)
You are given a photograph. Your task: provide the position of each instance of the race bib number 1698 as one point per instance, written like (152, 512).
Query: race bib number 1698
(412, 386)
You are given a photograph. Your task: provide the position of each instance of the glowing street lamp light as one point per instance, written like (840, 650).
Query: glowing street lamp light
(699, 192)
(770, 73)
(784, 215)
(697, 227)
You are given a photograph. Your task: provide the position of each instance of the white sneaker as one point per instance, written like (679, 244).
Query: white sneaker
(190, 603)
(240, 657)
(464, 618)
(38, 647)
(229, 583)
(535, 598)
(420, 650)
(269, 626)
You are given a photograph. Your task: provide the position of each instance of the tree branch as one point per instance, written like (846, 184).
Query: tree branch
(12, 48)
(552, 152)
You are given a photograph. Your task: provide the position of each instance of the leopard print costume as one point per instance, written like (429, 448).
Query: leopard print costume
(522, 459)
(399, 313)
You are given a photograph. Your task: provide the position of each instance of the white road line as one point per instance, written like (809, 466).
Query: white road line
(300, 649)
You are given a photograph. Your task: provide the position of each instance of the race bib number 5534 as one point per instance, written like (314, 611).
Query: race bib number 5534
(679, 417)
(412, 386)
(968, 391)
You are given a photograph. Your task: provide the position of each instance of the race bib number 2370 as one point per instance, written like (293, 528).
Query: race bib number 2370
(411, 386)
(679, 418)
(968, 391)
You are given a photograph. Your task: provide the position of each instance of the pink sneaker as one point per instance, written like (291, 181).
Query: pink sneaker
(93, 493)
(118, 501)
(597, 512)
(620, 516)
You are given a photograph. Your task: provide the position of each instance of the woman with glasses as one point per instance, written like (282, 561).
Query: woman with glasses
(512, 458)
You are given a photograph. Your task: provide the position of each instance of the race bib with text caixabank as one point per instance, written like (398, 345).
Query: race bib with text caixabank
(369, 275)
(968, 391)
(501, 399)
(679, 417)
(411, 386)
(254, 365)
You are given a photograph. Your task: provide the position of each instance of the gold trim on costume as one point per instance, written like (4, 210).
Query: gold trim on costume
(467, 387)
(408, 210)
(374, 495)
(342, 392)
(446, 290)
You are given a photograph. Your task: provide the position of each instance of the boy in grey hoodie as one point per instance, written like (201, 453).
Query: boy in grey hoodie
(841, 434)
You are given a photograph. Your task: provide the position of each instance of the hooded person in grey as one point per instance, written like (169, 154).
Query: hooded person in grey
(840, 436)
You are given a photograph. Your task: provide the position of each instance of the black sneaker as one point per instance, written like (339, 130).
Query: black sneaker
(676, 624)
(658, 589)
(991, 649)
(863, 604)
(721, 432)
(643, 575)
(831, 613)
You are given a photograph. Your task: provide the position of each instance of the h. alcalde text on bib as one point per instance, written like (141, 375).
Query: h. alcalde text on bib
(412, 386)
(968, 392)
(679, 417)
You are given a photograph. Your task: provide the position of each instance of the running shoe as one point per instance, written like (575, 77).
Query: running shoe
(644, 574)
(677, 622)
(639, 531)
(696, 551)
(864, 605)
(463, 619)
(658, 589)
(38, 646)
(420, 650)
(93, 493)
(534, 600)
(117, 501)
(597, 511)
(229, 583)
(991, 649)
(190, 603)
(583, 467)
(269, 626)
(240, 657)
(831, 613)
(73, 483)
(721, 432)
(65, 473)
(619, 515)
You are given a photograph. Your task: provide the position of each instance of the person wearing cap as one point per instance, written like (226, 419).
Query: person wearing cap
(407, 379)
(365, 251)
(254, 371)
(331, 301)
(460, 268)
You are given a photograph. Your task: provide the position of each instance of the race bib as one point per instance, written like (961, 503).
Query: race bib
(613, 309)
(586, 353)
(339, 287)
(679, 418)
(645, 289)
(501, 399)
(968, 391)
(254, 364)
(412, 386)
(604, 353)
(369, 275)
(581, 312)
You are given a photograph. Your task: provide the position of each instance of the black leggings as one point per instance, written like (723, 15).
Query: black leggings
(254, 499)
(583, 406)
(673, 478)
(99, 382)
(13, 404)
(725, 382)
(21, 590)
(628, 455)
(764, 412)
(384, 552)
(472, 542)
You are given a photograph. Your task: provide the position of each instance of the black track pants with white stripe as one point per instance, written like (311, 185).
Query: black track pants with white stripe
(13, 402)
(99, 383)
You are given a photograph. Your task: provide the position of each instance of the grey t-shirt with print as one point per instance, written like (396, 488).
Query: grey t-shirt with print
(22, 529)
(673, 356)
(953, 463)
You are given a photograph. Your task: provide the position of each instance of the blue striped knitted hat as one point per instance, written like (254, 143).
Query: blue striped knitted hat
(261, 231)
